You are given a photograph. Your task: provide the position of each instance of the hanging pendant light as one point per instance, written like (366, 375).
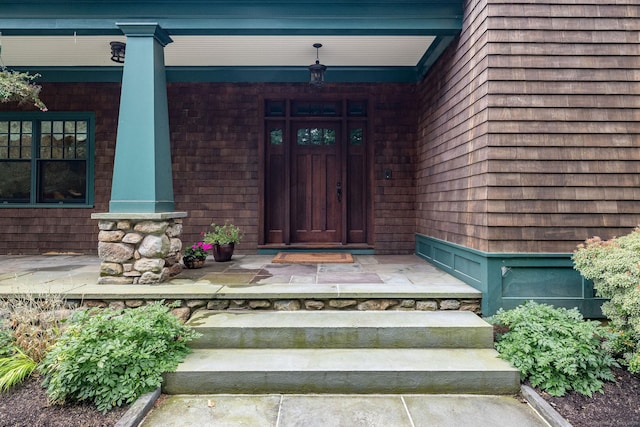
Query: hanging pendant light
(316, 71)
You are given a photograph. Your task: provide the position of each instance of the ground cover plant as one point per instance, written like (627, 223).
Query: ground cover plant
(614, 267)
(113, 356)
(555, 349)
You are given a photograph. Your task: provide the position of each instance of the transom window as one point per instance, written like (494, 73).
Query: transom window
(46, 159)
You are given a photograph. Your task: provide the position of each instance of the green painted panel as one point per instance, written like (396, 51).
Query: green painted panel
(424, 249)
(443, 256)
(540, 282)
(468, 267)
(506, 280)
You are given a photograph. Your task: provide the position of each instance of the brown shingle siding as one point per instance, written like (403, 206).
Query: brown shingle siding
(562, 127)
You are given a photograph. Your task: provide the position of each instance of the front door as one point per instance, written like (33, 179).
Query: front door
(316, 172)
(316, 183)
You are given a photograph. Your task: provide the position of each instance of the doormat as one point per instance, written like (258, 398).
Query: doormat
(312, 257)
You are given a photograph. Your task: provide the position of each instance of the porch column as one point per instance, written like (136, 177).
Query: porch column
(139, 238)
(142, 180)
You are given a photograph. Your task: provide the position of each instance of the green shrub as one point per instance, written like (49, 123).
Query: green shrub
(555, 348)
(614, 267)
(7, 343)
(111, 357)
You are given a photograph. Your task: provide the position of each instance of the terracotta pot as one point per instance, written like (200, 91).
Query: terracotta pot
(193, 262)
(223, 253)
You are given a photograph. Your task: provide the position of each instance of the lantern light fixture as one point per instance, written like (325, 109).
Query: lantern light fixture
(317, 70)
(117, 52)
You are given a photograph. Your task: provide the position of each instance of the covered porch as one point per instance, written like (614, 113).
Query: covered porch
(251, 282)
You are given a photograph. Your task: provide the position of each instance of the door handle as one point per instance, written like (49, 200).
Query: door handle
(339, 191)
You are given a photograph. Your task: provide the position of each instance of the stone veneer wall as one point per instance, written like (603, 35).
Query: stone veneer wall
(141, 250)
(189, 306)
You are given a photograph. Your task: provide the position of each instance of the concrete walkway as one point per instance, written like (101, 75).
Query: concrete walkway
(342, 410)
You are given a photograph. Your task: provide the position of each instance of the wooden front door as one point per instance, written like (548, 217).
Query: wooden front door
(316, 174)
(316, 183)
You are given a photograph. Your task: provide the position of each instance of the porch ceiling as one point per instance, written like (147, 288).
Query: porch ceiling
(222, 51)
(234, 40)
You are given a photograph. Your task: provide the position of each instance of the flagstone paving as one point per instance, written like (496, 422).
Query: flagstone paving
(370, 276)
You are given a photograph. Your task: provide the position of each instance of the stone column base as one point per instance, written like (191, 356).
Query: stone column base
(139, 248)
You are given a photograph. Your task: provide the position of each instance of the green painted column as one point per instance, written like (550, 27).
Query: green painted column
(142, 180)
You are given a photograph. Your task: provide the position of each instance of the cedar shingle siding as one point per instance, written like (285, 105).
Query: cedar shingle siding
(529, 137)
(215, 133)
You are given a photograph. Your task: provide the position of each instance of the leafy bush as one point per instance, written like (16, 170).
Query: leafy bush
(7, 343)
(614, 267)
(555, 348)
(113, 356)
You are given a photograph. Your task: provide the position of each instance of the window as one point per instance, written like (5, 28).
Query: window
(316, 136)
(46, 159)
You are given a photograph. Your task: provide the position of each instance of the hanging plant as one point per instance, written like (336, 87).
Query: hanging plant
(19, 87)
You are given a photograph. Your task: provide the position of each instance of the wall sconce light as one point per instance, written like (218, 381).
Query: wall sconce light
(317, 70)
(117, 52)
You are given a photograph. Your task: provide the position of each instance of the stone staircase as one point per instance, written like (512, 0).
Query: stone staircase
(342, 352)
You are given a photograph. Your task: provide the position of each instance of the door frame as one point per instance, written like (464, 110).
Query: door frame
(285, 118)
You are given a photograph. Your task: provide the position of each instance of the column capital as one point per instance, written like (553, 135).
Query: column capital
(145, 29)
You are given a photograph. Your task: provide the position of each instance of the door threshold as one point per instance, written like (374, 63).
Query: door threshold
(357, 249)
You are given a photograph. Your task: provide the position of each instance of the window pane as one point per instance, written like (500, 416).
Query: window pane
(355, 136)
(303, 137)
(329, 137)
(316, 136)
(62, 181)
(276, 137)
(357, 108)
(15, 180)
(274, 108)
(69, 127)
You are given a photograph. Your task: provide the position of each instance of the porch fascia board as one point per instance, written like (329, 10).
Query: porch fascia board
(231, 74)
(228, 17)
(310, 26)
(229, 14)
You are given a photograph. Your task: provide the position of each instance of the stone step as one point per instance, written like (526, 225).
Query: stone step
(460, 371)
(340, 329)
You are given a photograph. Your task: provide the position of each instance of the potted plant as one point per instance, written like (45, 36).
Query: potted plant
(223, 238)
(195, 255)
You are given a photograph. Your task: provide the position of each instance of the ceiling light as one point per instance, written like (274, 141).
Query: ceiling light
(117, 52)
